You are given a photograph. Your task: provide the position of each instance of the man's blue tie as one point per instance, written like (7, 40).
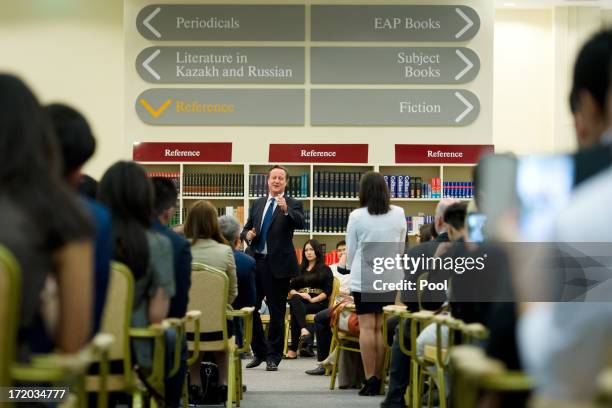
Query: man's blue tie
(265, 226)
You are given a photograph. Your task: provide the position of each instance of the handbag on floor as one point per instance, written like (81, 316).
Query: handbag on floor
(209, 374)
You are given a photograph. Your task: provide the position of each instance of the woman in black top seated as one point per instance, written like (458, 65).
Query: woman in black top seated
(309, 294)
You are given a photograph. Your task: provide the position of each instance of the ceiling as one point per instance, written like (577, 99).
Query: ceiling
(552, 3)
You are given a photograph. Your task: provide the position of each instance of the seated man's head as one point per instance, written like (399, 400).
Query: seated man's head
(454, 217)
(341, 248)
(230, 228)
(75, 140)
(589, 94)
(166, 195)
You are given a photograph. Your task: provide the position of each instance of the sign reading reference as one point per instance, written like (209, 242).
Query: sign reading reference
(393, 65)
(318, 153)
(423, 153)
(194, 22)
(390, 107)
(231, 107)
(206, 65)
(393, 23)
(182, 152)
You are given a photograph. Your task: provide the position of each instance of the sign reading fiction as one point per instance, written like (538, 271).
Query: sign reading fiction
(424, 153)
(393, 65)
(206, 65)
(194, 22)
(182, 152)
(393, 107)
(393, 23)
(231, 107)
(318, 153)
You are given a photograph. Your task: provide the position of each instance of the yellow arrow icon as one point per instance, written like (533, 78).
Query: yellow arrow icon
(153, 112)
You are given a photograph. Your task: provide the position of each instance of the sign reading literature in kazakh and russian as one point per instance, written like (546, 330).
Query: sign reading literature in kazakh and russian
(452, 154)
(182, 152)
(318, 153)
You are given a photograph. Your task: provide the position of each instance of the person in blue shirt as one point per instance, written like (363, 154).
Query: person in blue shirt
(77, 144)
(164, 208)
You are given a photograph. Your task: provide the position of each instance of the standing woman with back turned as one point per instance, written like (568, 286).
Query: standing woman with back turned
(374, 222)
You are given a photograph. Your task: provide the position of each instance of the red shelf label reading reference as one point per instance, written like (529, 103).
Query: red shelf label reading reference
(182, 152)
(450, 154)
(318, 153)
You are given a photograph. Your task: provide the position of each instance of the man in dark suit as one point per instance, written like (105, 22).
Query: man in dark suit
(269, 234)
(164, 207)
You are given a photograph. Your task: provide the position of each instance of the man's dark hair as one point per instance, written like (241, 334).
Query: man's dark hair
(455, 215)
(374, 193)
(340, 243)
(88, 186)
(74, 135)
(277, 166)
(592, 70)
(165, 195)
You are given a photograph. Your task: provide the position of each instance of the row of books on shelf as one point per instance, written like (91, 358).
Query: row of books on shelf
(174, 176)
(415, 222)
(403, 186)
(306, 222)
(331, 257)
(336, 184)
(331, 219)
(297, 186)
(213, 184)
(458, 189)
(237, 212)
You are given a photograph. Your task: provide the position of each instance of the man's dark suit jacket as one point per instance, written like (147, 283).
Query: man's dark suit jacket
(182, 270)
(281, 253)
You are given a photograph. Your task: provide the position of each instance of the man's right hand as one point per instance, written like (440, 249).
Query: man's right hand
(251, 234)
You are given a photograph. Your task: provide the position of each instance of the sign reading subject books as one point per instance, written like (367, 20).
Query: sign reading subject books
(182, 152)
(318, 153)
(450, 154)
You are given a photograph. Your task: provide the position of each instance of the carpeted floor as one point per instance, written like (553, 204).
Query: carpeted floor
(291, 387)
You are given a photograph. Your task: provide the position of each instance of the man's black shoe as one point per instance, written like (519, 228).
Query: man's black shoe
(271, 366)
(316, 371)
(255, 362)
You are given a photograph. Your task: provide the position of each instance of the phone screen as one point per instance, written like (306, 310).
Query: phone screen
(543, 185)
(475, 227)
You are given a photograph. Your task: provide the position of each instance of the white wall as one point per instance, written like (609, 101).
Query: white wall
(523, 66)
(71, 51)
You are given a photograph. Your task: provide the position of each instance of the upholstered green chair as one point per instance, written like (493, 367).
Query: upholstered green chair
(57, 369)
(209, 293)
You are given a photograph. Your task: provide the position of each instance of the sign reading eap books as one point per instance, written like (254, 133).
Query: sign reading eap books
(182, 152)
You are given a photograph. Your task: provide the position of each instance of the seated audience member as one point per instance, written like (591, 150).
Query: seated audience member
(245, 269)
(128, 193)
(77, 145)
(208, 246)
(323, 331)
(564, 346)
(88, 187)
(164, 207)
(400, 363)
(426, 233)
(309, 293)
(42, 225)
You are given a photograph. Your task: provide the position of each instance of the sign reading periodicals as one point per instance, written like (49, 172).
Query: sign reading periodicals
(221, 22)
